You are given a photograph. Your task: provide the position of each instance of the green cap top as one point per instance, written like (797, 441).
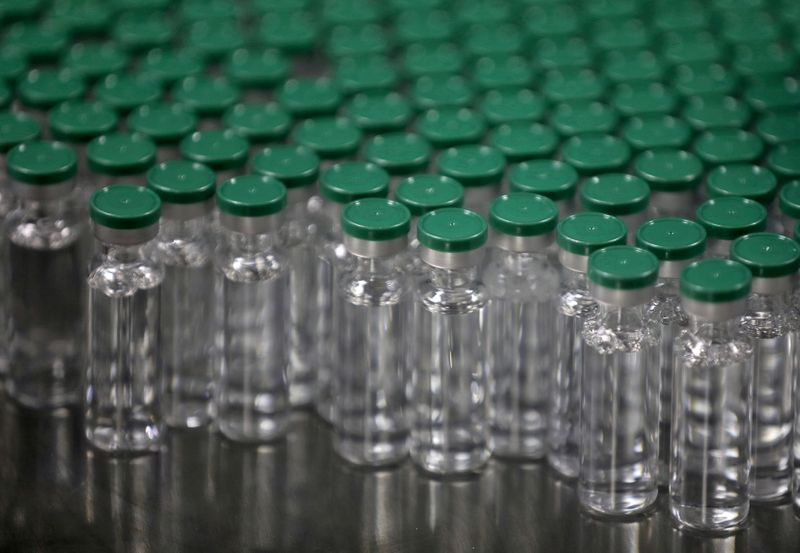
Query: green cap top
(81, 121)
(139, 31)
(5, 96)
(399, 153)
(435, 91)
(730, 217)
(790, 199)
(206, 96)
(82, 17)
(669, 170)
(615, 194)
(329, 137)
(523, 140)
(721, 146)
(523, 214)
(472, 165)
(582, 116)
(493, 39)
(748, 181)
(451, 126)
(715, 110)
(169, 66)
(375, 219)
(672, 238)
(121, 154)
(12, 64)
(715, 281)
(37, 41)
(182, 182)
(41, 163)
(251, 196)
(424, 193)
(354, 180)
(656, 131)
(365, 73)
(643, 98)
(421, 58)
(511, 105)
(379, 112)
(633, 65)
(217, 148)
(214, 39)
(550, 178)
(125, 207)
(258, 123)
(623, 268)
(163, 123)
(784, 161)
(587, 232)
(256, 68)
(125, 92)
(94, 60)
(776, 92)
(16, 128)
(289, 31)
(774, 127)
(359, 40)
(309, 97)
(766, 254)
(452, 229)
(424, 26)
(596, 153)
(501, 71)
(294, 166)
(562, 85)
(44, 88)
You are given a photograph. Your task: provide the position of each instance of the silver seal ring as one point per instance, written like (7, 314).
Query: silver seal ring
(250, 225)
(375, 248)
(125, 237)
(42, 192)
(672, 269)
(573, 261)
(771, 286)
(185, 212)
(621, 298)
(715, 312)
(522, 244)
(451, 260)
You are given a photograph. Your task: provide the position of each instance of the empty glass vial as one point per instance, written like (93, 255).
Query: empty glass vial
(252, 393)
(449, 419)
(578, 237)
(123, 372)
(712, 400)
(371, 310)
(624, 196)
(726, 219)
(185, 247)
(676, 243)
(45, 276)
(770, 322)
(522, 283)
(620, 385)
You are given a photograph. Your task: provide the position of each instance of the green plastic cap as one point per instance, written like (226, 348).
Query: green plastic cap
(424, 193)
(623, 268)
(784, 161)
(672, 238)
(422, 58)
(81, 121)
(167, 67)
(472, 165)
(219, 149)
(354, 180)
(399, 153)
(714, 111)
(163, 123)
(375, 219)
(523, 140)
(643, 98)
(365, 73)
(258, 123)
(329, 137)
(669, 170)
(206, 96)
(715, 281)
(583, 116)
(500, 71)
(44, 88)
(730, 217)
(776, 127)
(93, 61)
(615, 194)
(309, 97)
(452, 229)
(451, 126)
(766, 254)
(5, 96)
(656, 131)
(12, 64)
(549, 178)
(125, 207)
(509, 105)
(596, 153)
(436, 91)
(747, 181)
(139, 31)
(41, 162)
(288, 31)
(523, 214)
(723, 146)
(121, 154)
(182, 182)
(38, 42)
(16, 128)
(256, 68)
(379, 112)
(251, 196)
(125, 92)
(790, 199)
(584, 233)
(294, 166)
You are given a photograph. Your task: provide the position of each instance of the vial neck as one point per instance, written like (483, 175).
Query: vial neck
(615, 316)
(574, 280)
(519, 262)
(122, 254)
(768, 303)
(667, 287)
(374, 265)
(453, 278)
(41, 209)
(714, 331)
(251, 242)
(177, 229)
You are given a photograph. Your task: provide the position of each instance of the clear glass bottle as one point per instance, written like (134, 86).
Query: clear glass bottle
(252, 392)
(185, 247)
(712, 400)
(123, 373)
(449, 419)
(369, 382)
(727, 218)
(674, 178)
(771, 322)
(676, 243)
(523, 286)
(620, 386)
(578, 236)
(624, 196)
(45, 277)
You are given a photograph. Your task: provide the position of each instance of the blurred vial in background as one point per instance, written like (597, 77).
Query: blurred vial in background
(624, 196)
(726, 219)
(119, 157)
(165, 124)
(674, 179)
(478, 168)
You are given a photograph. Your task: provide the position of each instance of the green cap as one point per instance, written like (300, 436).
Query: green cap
(596, 153)
(748, 181)
(354, 180)
(12, 64)
(523, 140)
(563, 85)
(290, 32)
(139, 31)
(125, 92)
(432, 26)
(452, 229)
(643, 98)
(633, 65)
(790, 199)
(669, 170)
(365, 73)
(41, 162)
(219, 149)
(730, 217)
(375, 219)
(714, 111)
(424, 193)
(121, 154)
(429, 59)
(563, 51)
(167, 66)
(782, 125)
(784, 161)
(472, 165)
(436, 91)
(451, 126)
(523, 214)
(623, 268)
(473, 13)
(309, 97)
(715, 281)
(615, 194)
(80, 121)
(206, 96)
(163, 123)
(492, 72)
(5, 96)
(20, 11)
(214, 39)
(672, 238)
(379, 112)
(329, 137)
(704, 77)
(95, 60)
(399, 153)
(621, 34)
(182, 182)
(587, 232)
(511, 105)
(16, 128)
(656, 131)
(256, 68)
(501, 40)
(606, 9)
(549, 178)
(294, 166)
(251, 196)
(680, 16)
(583, 116)
(360, 40)
(125, 207)
(762, 58)
(776, 92)
(553, 19)
(258, 123)
(38, 42)
(766, 254)
(691, 46)
(725, 146)
(45, 88)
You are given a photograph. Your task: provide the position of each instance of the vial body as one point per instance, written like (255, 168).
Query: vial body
(673, 204)
(123, 380)
(7, 203)
(523, 289)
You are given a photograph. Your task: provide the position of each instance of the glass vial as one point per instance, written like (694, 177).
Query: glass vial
(673, 177)
(123, 376)
(624, 196)
(727, 218)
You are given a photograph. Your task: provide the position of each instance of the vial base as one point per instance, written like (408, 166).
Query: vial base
(44, 393)
(248, 427)
(389, 450)
(189, 414)
(139, 436)
(567, 466)
(773, 487)
(528, 445)
(616, 502)
(435, 457)
(710, 519)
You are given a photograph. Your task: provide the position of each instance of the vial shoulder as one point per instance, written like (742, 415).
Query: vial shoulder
(45, 233)
(191, 251)
(117, 279)
(462, 300)
(608, 338)
(536, 285)
(667, 310)
(764, 324)
(360, 288)
(252, 266)
(696, 350)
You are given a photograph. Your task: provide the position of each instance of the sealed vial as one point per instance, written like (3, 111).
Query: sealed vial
(252, 393)
(726, 219)
(207, 97)
(748, 181)
(676, 243)
(578, 236)
(45, 273)
(770, 322)
(256, 72)
(620, 385)
(185, 247)
(42, 89)
(123, 370)
(223, 151)
(550, 178)
(260, 124)
(124, 92)
(78, 123)
(712, 400)
(522, 282)
(165, 124)
(479, 169)
(789, 202)
(334, 139)
(119, 157)
(371, 310)
(449, 419)
(624, 196)
(400, 154)
(674, 180)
